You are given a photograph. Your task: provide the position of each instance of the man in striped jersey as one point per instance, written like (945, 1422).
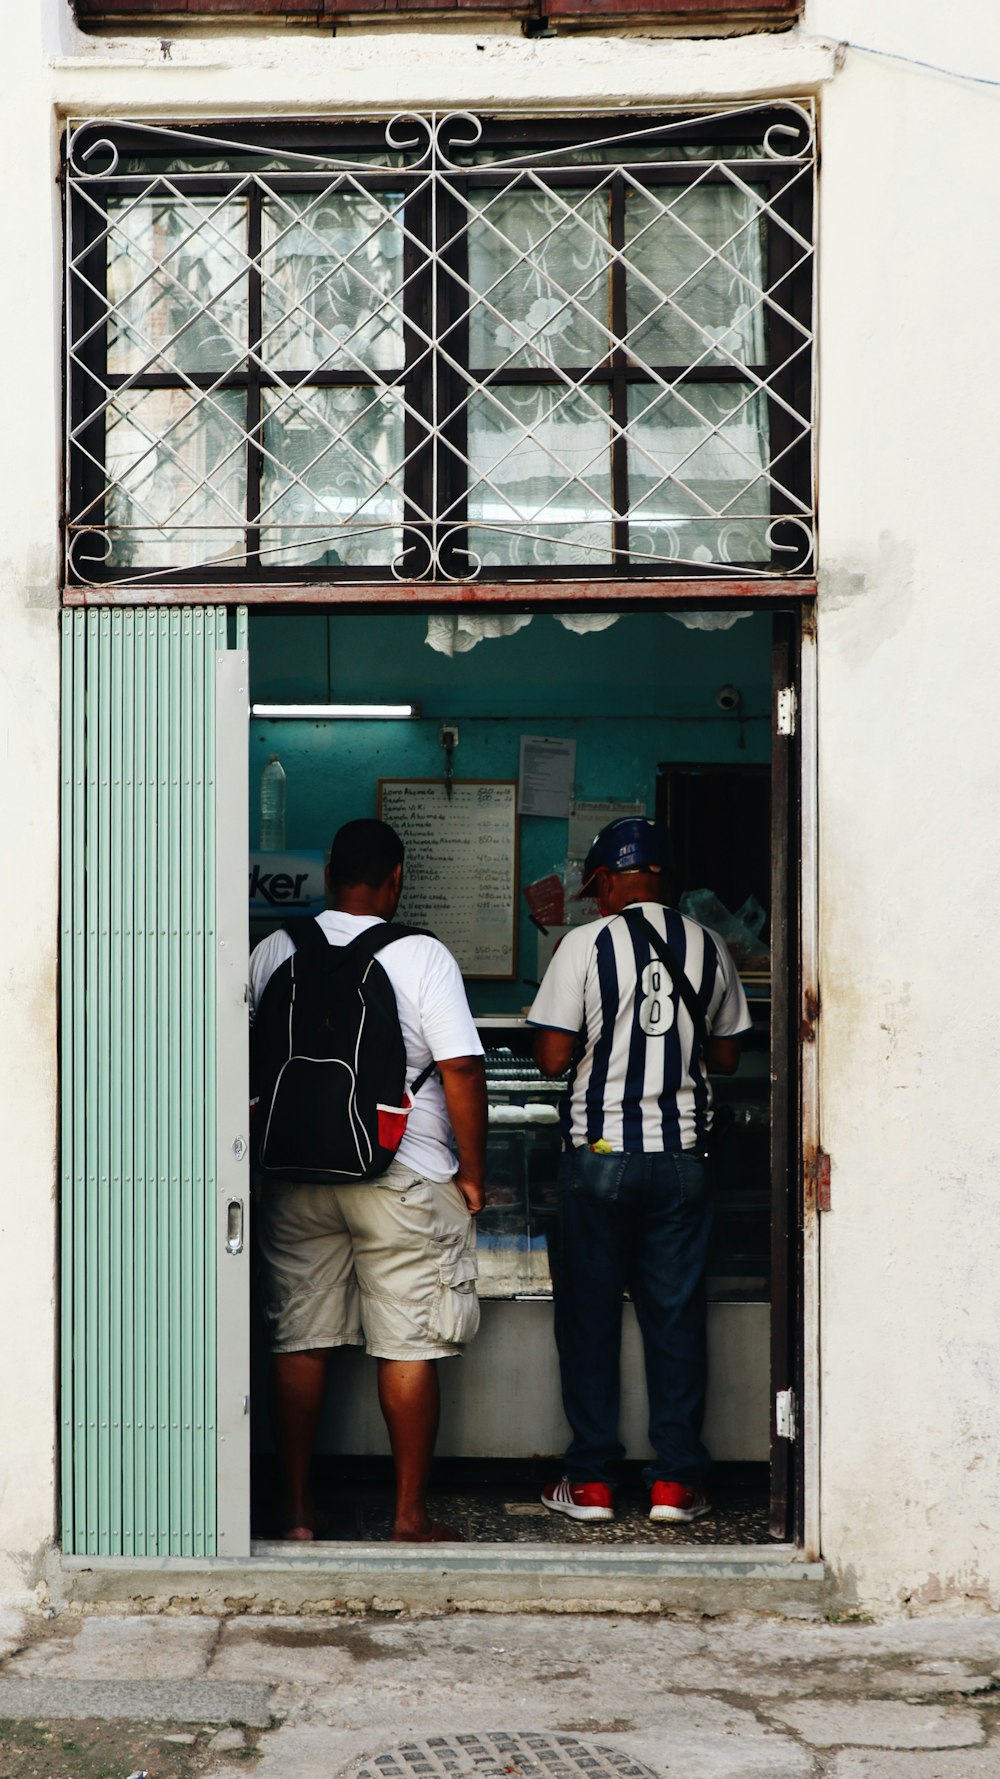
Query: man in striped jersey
(643, 1003)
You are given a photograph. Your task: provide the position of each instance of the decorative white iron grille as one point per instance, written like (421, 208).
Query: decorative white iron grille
(441, 348)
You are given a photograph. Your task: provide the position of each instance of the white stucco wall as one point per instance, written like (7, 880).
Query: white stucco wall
(963, 37)
(909, 630)
(29, 789)
(909, 265)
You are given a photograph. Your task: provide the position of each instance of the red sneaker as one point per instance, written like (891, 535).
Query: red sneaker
(678, 1502)
(580, 1501)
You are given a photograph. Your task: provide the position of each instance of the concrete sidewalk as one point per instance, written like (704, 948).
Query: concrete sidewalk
(732, 1698)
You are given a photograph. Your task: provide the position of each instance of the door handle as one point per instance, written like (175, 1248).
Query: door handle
(234, 1226)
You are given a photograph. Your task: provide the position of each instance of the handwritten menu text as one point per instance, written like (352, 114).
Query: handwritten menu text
(461, 859)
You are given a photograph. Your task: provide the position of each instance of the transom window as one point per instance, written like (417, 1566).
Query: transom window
(441, 348)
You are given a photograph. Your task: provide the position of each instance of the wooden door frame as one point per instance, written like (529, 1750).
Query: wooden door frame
(813, 1200)
(785, 1321)
(795, 1122)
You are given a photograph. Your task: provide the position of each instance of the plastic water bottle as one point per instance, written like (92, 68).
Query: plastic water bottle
(272, 806)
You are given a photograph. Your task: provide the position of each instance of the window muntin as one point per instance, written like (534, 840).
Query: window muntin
(442, 348)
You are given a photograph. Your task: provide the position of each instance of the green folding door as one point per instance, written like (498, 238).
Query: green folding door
(154, 1447)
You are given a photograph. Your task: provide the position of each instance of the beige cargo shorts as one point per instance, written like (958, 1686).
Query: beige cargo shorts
(389, 1265)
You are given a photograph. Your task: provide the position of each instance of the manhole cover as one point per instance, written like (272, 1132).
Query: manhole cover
(502, 1756)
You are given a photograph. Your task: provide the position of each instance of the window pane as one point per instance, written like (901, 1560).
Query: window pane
(177, 285)
(176, 472)
(698, 485)
(540, 476)
(695, 275)
(332, 271)
(541, 278)
(332, 482)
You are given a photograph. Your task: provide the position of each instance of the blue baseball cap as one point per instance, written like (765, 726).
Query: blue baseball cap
(632, 843)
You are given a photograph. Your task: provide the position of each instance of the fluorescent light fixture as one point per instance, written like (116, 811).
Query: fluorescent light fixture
(313, 713)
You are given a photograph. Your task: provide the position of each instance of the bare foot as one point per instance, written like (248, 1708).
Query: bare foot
(433, 1533)
(298, 1535)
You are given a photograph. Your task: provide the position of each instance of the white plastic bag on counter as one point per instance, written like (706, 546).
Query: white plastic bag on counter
(742, 932)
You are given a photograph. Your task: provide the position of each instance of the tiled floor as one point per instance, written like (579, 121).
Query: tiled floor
(499, 1503)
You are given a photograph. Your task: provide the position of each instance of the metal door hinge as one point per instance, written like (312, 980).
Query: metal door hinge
(785, 711)
(818, 1172)
(784, 1414)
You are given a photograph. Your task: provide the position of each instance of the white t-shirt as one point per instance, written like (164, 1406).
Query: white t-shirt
(639, 1084)
(434, 1019)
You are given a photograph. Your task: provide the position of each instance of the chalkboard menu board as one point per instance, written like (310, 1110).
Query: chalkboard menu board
(460, 877)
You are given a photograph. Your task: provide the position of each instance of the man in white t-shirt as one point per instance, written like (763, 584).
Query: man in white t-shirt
(642, 1002)
(389, 1264)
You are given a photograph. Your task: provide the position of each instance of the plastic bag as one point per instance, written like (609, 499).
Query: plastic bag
(742, 932)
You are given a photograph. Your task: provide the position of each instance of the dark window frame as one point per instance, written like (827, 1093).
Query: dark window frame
(788, 369)
(752, 13)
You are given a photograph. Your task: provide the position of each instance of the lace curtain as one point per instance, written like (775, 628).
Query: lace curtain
(456, 634)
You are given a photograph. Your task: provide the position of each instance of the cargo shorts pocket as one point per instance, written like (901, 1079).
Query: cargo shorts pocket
(454, 1314)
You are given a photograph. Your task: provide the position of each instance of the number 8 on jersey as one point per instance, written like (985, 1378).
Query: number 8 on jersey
(656, 1009)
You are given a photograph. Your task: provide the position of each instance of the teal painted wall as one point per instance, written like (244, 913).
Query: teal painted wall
(632, 696)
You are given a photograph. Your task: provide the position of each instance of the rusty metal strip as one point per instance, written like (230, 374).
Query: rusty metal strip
(713, 591)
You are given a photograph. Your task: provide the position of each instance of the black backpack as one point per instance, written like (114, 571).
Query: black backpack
(328, 1063)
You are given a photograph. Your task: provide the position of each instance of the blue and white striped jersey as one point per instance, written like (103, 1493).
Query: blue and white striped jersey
(639, 1084)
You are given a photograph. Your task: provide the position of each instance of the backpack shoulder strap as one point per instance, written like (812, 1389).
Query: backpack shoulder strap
(309, 940)
(371, 941)
(374, 938)
(685, 988)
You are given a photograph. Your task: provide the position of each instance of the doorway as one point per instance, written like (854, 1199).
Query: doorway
(647, 703)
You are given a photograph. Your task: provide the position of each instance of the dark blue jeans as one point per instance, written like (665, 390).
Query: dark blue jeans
(641, 1223)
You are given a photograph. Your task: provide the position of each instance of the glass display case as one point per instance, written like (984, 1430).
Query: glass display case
(522, 1157)
(739, 1266)
(525, 1143)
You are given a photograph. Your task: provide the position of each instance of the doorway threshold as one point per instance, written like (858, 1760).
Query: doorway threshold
(354, 1577)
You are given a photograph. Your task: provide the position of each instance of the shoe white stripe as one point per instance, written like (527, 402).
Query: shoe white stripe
(560, 1497)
